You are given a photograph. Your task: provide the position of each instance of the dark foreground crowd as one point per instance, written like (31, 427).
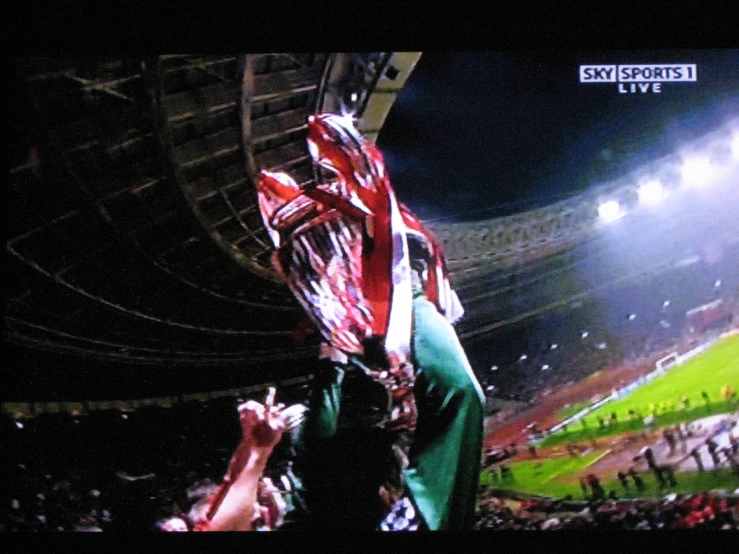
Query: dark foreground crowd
(117, 471)
(702, 511)
(132, 471)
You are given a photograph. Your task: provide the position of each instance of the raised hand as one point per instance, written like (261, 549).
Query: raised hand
(262, 425)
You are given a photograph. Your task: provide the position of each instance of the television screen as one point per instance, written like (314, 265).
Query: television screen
(380, 291)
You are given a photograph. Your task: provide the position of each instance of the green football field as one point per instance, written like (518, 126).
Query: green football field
(557, 478)
(551, 477)
(708, 373)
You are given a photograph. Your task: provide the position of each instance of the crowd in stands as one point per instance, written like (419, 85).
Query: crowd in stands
(129, 471)
(113, 470)
(631, 325)
(701, 511)
(120, 471)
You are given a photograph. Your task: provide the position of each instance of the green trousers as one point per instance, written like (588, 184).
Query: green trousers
(445, 456)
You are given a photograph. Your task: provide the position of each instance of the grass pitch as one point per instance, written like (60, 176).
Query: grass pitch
(547, 477)
(708, 372)
(557, 478)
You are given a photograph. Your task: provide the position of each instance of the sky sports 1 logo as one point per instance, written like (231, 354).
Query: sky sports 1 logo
(639, 79)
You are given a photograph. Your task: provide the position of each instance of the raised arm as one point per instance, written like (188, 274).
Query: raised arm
(235, 505)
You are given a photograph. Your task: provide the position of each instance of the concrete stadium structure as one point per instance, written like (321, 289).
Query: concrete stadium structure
(134, 234)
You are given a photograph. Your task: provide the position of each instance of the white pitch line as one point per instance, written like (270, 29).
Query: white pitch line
(566, 469)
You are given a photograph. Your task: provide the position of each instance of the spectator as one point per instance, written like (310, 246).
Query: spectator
(669, 436)
(666, 470)
(233, 507)
(584, 487)
(638, 481)
(725, 392)
(713, 450)
(623, 479)
(682, 437)
(659, 475)
(734, 463)
(726, 451)
(734, 442)
(599, 492)
(708, 512)
(695, 453)
(648, 456)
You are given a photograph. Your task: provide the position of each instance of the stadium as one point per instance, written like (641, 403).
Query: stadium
(142, 307)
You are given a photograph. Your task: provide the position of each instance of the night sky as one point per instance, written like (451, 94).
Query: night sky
(481, 134)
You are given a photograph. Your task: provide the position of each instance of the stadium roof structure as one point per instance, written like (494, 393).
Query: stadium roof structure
(134, 235)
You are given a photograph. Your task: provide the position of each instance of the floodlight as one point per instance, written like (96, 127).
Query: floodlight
(610, 211)
(523, 357)
(584, 335)
(651, 192)
(494, 368)
(697, 171)
(545, 367)
(553, 346)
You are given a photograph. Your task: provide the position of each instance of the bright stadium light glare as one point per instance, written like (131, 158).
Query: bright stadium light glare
(735, 145)
(651, 192)
(610, 211)
(697, 171)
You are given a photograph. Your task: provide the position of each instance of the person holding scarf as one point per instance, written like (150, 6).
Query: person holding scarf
(373, 281)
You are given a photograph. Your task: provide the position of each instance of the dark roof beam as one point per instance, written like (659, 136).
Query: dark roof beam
(209, 99)
(294, 91)
(101, 87)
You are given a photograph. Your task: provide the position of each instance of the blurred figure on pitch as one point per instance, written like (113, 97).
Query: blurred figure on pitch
(695, 453)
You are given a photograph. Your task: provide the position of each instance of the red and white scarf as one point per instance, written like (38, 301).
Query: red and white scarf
(342, 246)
